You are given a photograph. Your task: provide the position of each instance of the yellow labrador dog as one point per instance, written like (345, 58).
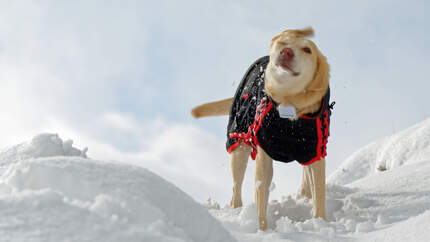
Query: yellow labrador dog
(280, 112)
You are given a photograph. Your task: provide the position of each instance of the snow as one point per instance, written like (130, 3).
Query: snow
(368, 208)
(49, 191)
(408, 146)
(43, 145)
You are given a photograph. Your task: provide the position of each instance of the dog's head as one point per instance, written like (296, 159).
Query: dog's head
(296, 64)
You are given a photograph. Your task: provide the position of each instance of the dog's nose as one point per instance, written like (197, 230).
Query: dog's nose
(287, 53)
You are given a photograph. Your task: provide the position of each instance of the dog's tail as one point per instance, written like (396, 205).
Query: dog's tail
(217, 108)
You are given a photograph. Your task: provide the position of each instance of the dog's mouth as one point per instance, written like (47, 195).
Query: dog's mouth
(290, 69)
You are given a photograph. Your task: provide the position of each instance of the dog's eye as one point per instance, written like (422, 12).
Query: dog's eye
(307, 50)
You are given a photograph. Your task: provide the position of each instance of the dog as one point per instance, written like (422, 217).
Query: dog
(280, 112)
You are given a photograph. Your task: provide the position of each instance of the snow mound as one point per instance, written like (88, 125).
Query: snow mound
(70, 198)
(406, 147)
(367, 210)
(42, 145)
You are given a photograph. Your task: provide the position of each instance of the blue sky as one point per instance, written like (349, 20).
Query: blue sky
(118, 75)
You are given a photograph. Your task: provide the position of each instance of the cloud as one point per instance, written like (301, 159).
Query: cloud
(61, 60)
(73, 62)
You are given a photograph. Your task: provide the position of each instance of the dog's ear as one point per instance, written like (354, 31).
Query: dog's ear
(307, 32)
(275, 38)
(322, 75)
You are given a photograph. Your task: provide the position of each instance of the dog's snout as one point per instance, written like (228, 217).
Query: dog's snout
(287, 53)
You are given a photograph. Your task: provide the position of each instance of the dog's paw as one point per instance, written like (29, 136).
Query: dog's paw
(235, 203)
(262, 223)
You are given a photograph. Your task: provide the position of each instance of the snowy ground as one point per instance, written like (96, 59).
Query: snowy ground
(50, 191)
(372, 209)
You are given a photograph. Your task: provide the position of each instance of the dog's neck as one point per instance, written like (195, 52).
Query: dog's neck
(306, 102)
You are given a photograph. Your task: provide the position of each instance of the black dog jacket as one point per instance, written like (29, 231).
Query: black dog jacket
(255, 121)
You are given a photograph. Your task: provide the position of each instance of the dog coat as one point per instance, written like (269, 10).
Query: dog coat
(254, 120)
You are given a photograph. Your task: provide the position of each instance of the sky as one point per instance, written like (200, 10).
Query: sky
(120, 77)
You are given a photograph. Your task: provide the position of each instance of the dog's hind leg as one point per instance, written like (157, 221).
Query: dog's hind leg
(315, 179)
(239, 160)
(263, 178)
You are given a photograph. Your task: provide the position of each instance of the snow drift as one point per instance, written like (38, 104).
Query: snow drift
(380, 193)
(50, 192)
(43, 145)
(409, 146)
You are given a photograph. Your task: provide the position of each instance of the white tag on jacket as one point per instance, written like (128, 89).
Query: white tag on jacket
(288, 111)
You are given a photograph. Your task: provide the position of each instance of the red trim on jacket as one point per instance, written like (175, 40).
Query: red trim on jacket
(325, 133)
(233, 146)
(321, 142)
(250, 138)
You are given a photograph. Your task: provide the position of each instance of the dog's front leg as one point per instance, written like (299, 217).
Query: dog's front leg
(263, 178)
(305, 188)
(314, 178)
(239, 159)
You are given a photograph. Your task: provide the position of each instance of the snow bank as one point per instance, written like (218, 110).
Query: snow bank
(413, 229)
(406, 147)
(386, 198)
(42, 145)
(70, 198)
(368, 210)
